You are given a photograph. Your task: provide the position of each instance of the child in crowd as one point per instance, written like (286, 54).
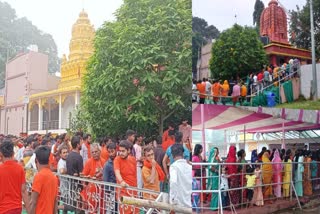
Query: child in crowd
(251, 182)
(257, 193)
(224, 186)
(196, 195)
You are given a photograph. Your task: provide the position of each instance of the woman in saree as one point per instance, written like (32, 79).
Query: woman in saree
(267, 175)
(287, 174)
(213, 179)
(277, 173)
(299, 168)
(254, 158)
(242, 174)
(232, 170)
(197, 158)
(307, 185)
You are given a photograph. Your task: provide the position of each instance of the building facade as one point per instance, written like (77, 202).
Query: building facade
(26, 74)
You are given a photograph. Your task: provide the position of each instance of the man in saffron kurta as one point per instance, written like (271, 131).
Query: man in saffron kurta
(202, 91)
(215, 89)
(170, 141)
(126, 174)
(93, 168)
(152, 173)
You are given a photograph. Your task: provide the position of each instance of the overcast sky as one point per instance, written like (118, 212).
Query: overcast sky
(221, 13)
(56, 17)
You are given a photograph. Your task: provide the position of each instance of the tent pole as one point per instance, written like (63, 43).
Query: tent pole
(283, 135)
(203, 133)
(244, 137)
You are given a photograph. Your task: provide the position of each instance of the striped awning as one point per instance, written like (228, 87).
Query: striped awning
(219, 117)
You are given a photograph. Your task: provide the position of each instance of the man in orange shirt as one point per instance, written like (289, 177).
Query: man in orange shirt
(12, 182)
(215, 89)
(243, 93)
(45, 185)
(126, 173)
(165, 134)
(202, 91)
(152, 173)
(103, 144)
(170, 141)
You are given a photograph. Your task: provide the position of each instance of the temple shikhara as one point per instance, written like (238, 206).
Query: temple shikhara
(273, 25)
(52, 110)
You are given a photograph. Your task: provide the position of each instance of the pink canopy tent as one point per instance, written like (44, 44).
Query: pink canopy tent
(219, 117)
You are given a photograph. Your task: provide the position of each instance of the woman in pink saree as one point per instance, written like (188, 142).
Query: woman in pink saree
(277, 173)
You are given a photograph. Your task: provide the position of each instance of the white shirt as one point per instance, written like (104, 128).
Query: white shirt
(180, 183)
(208, 86)
(224, 182)
(62, 164)
(19, 155)
(255, 79)
(138, 151)
(84, 153)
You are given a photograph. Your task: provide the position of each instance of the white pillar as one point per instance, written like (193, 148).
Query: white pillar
(40, 115)
(77, 98)
(60, 111)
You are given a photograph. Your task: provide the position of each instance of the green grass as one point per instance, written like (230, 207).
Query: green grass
(301, 103)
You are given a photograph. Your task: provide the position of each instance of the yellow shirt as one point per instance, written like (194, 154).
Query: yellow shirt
(251, 180)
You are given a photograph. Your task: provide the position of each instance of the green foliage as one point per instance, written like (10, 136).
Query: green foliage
(122, 87)
(258, 8)
(79, 121)
(201, 34)
(300, 26)
(16, 34)
(237, 52)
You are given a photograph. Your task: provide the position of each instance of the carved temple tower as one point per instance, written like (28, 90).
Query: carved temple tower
(52, 110)
(273, 25)
(81, 49)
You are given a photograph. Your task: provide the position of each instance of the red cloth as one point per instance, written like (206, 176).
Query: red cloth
(166, 144)
(161, 174)
(12, 177)
(232, 169)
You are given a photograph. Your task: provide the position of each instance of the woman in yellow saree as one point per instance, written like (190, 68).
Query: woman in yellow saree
(267, 175)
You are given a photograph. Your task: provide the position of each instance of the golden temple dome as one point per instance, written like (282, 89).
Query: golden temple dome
(80, 50)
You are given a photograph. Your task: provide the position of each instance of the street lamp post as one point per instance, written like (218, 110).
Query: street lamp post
(314, 68)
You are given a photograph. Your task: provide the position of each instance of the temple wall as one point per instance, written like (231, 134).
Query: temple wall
(306, 77)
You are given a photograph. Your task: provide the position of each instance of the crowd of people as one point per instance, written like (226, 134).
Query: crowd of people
(241, 90)
(42, 160)
(264, 179)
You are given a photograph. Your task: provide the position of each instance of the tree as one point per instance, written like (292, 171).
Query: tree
(139, 75)
(16, 34)
(258, 8)
(237, 52)
(202, 34)
(300, 26)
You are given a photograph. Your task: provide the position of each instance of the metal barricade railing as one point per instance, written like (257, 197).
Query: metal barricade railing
(293, 181)
(80, 194)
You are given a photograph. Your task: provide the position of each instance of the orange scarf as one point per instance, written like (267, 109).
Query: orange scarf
(158, 168)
